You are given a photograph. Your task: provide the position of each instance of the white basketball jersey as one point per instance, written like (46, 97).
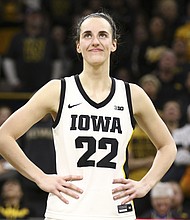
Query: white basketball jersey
(91, 140)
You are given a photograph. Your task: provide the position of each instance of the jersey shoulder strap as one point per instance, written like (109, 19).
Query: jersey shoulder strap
(129, 99)
(61, 101)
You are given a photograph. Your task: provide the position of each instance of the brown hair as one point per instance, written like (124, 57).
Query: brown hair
(103, 15)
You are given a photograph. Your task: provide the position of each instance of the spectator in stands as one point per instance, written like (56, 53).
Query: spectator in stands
(140, 161)
(36, 141)
(182, 161)
(5, 112)
(179, 47)
(124, 74)
(182, 75)
(178, 200)
(11, 12)
(185, 97)
(166, 73)
(139, 36)
(32, 57)
(11, 18)
(181, 136)
(12, 203)
(171, 114)
(151, 85)
(60, 12)
(154, 46)
(59, 34)
(125, 13)
(161, 200)
(141, 152)
(169, 10)
(182, 32)
(6, 170)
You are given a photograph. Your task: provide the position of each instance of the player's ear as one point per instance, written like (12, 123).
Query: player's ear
(114, 45)
(78, 47)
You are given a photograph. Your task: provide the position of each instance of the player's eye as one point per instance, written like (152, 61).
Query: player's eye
(103, 35)
(87, 35)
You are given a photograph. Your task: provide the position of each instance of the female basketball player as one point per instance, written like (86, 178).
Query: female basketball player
(93, 123)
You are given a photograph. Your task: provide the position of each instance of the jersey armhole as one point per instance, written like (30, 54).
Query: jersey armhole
(61, 101)
(129, 100)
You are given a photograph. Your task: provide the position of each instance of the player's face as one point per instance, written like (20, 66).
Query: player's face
(96, 41)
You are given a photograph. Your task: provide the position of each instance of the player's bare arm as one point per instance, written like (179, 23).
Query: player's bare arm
(45, 101)
(149, 120)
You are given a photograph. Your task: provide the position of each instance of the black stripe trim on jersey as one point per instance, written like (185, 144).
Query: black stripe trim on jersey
(62, 97)
(126, 165)
(128, 92)
(90, 101)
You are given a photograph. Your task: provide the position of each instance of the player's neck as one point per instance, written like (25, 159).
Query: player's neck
(96, 80)
(95, 73)
(97, 86)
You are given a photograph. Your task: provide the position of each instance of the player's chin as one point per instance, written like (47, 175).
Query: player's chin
(96, 62)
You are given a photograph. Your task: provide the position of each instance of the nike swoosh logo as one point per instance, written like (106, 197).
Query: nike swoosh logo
(71, 106)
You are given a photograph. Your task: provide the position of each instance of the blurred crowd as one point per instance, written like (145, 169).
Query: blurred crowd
(37, 45)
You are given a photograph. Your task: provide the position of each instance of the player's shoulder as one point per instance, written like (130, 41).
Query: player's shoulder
(50, 89)
(53, 82)
(56, 85)
(139, 97)
(135, 87)
(136, 90)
